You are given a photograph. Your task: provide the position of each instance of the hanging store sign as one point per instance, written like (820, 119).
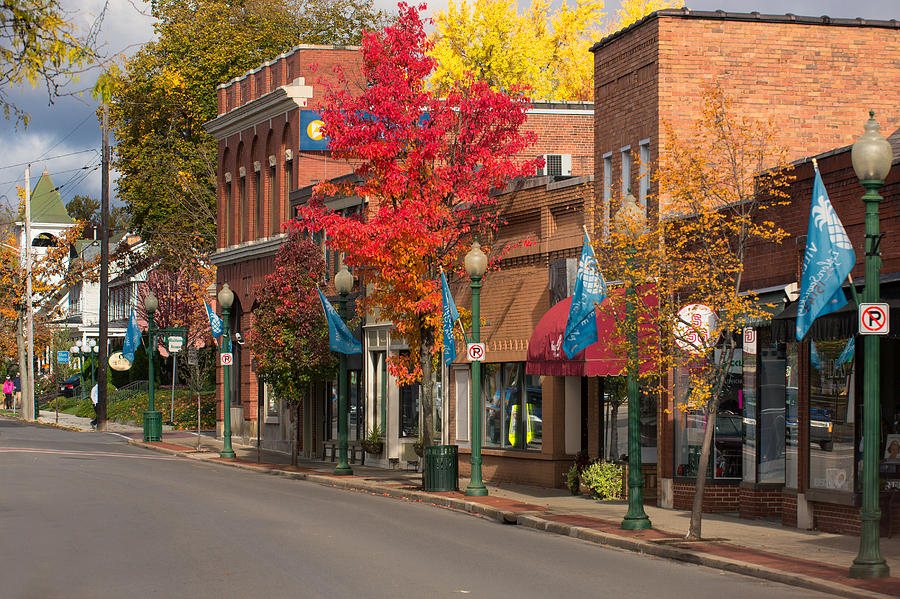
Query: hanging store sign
(119, 362)
(750, 341)
(695, 327)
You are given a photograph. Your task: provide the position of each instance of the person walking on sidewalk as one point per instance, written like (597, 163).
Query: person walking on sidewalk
(8, 389)
(95, 399)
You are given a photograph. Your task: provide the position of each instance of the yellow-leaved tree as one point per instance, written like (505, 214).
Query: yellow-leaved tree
(715, 184)
(539, 48)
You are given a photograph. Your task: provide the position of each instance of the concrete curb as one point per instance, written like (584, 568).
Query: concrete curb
(534, 521)
(700, 559)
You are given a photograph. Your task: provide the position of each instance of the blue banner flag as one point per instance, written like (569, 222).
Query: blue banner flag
(828, 260)
(215, 323)
(132, 338)
(590, 290)
(451, 315)
(312, 137)
(847, 353)
(340, 339)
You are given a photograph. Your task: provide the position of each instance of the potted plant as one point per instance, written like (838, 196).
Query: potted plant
(374, 441)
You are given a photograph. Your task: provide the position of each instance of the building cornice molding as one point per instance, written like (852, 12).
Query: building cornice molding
(248, 251)
(275, 103)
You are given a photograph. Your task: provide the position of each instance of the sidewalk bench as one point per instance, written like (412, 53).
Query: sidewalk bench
(354, 452)
(329, 448)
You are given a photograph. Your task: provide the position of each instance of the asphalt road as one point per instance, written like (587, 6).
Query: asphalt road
(84, 515)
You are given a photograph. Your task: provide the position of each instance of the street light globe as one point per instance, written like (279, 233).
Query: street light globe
(79, 343)
(476, 261)
(226, 297)
(343, 280)
(872, 154)
(630, 219)
(151, 303)
(74, 349)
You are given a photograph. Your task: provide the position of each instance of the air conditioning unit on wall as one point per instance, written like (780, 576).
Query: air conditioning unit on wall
(555, 165)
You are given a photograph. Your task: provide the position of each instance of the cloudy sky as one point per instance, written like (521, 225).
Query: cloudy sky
(64, 138)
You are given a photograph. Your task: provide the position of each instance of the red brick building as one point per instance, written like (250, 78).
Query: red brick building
(816, 78)
(269, 159)
(268, 146)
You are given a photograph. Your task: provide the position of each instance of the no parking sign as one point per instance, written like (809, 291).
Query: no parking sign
(475, 351)
(874, 319)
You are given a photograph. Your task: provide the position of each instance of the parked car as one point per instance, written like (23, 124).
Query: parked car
(68, 386)
(821, 428)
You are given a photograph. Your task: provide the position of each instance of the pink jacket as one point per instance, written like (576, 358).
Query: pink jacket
(8, 387)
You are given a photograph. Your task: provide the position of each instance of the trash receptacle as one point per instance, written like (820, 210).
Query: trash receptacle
(441, 472)
(152, 426)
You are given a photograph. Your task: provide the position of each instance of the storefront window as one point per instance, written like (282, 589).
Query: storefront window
(791, 439)
(512, 407)
(331, 411)
(357, 405)
(409, 411)
(832, 417)
(749, 403)
(615, 416)
(690, 427)
(771, 410)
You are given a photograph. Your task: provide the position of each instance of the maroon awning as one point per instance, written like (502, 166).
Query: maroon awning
(546, 356)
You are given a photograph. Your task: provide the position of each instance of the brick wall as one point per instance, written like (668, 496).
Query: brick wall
(626, 105)
(515, 298)
(311, 62)
(789, 510)
(760, 503)
(517, 467)
(562, 129)
(774, 264)
(816, 81)
(716, 497)
(830, 517)
(258, 141)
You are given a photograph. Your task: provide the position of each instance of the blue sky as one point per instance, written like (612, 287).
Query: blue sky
(64, 138)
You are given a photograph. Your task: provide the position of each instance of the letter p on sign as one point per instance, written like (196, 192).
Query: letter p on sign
(874, 319)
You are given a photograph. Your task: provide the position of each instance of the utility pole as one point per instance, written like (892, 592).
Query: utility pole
(104, 276)
(27, 386)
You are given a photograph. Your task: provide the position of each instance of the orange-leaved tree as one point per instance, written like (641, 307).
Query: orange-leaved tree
(715, 184)
(427, 164)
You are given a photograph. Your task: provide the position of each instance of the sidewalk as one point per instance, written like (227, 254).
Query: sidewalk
(763, 549)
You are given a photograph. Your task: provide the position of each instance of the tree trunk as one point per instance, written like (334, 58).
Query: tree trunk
(23, 363)
(721, 372)
(425, 362)
(702, 466)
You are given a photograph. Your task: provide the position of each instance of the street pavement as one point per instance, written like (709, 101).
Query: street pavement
(762, 549)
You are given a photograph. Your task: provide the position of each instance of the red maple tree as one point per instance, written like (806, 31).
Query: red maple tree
(289, 336)
(427, 165)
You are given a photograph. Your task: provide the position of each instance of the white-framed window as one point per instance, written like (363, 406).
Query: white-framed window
(626, 170)
(273, 413)
(607, 191)
(461, 377)
(644, 181)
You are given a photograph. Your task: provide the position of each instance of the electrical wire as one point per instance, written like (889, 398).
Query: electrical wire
(48, 159)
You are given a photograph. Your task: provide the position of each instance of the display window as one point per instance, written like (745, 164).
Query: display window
(832, 416)
(513, 407)
(690, 427)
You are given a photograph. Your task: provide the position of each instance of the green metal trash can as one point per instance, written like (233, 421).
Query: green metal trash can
(441, 472)
(152, 426)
